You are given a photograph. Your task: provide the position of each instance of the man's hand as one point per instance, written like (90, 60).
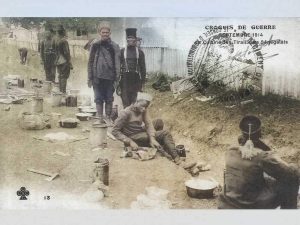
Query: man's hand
(154, 143)
(133, 145)
(90, 83)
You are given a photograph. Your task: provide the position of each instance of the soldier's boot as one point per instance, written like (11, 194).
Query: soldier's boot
(99, 108)
(108, 111)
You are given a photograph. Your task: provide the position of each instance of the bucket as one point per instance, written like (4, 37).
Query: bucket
(21, 83)
(101, 171)
(33, 82)
(56, 99)
(98, 136)
(55, 87)
(55, 118)
(37, 105)
(47, 86)
(71, 101)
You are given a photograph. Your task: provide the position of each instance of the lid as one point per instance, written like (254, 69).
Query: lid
(69, 120)
(84, 114)
(57, 93)
(102, 161)
(201, 184)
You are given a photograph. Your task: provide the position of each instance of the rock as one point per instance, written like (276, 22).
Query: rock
(155, 198)
(93, 195)
(157, 193)
(58, 136)
(7, 108)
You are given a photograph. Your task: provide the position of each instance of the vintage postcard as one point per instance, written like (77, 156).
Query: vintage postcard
(149, 113)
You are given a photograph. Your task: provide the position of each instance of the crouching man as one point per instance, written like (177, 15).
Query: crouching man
(255, 178)
(134, 128)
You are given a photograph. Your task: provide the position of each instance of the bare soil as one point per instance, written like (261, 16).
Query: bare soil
(190, 121)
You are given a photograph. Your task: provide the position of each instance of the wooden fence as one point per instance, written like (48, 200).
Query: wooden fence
(164, 60)
(173, 62)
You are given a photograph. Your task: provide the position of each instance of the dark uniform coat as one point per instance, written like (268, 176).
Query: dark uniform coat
(246, 185)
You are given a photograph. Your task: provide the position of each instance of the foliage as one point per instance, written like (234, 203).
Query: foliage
(72, 23)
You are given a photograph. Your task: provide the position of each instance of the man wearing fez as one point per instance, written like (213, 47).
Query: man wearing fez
(133, 69)
(103, 71)
(63, 61)
(254, 177)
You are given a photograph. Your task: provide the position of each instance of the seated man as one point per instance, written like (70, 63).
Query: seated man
(134, 128)
(246, 185)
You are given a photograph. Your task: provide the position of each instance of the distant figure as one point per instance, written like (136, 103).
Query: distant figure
(48, 55)
(23, 55)
(254, 177)
(63, 62)
(133, 69)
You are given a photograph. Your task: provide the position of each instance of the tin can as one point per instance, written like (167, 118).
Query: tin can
(180, 150)
(101, 171)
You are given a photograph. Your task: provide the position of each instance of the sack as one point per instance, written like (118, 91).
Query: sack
(30, 121)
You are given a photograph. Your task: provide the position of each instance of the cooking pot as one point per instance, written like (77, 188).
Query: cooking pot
(90, 110)
(200, 188)
(83, 116)
(68, 122)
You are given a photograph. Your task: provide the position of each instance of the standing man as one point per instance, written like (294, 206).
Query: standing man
(255, 178)
(23, 55)
(133, 69)
(63, 62)
(104, 71)
(48, 55)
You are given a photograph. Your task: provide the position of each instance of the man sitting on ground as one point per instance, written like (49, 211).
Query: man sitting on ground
(134, 128)
(255, 178)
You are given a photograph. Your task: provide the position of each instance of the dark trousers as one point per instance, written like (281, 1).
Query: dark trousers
(163, 137)
(130, 85)
(103, 91)
(50, 71)
(63, 75)
(23, 57)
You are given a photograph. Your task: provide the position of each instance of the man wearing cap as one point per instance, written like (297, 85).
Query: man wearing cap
(133, 69)
(104, 71)
(254, 177)
(63, 61)
(134, 128)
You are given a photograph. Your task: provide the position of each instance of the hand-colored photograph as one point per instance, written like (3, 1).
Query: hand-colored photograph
(149, 113)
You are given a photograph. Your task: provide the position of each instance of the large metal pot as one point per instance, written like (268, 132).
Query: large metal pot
(68, 123)
(83, 116)
(200, 188)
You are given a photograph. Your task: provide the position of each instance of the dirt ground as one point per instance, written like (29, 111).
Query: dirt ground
(190, 121)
